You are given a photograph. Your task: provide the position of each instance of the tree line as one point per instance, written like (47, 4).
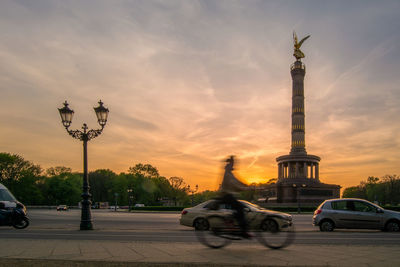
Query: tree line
(384, 190)
(32, 185)
(142, 183)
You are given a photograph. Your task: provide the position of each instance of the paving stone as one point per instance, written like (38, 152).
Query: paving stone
(109, 253)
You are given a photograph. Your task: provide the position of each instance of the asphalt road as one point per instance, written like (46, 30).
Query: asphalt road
(164, 227)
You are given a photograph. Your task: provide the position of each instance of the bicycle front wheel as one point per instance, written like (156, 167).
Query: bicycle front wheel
(213, 236)
(270, 235)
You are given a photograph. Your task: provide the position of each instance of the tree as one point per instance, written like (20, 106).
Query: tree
(63, 189)
(250, 193)
(101, 184)
(371, 188)
(178, 189)
(354, 192)
(13, 167)
(163, 189)
(144, 180)
(20, 176)
(384, 190)
(145, 170)
(54, 171)
(372, 180)
(392, 187)
(271, 181)
(28, 191)
(204, 196)
(177, 183)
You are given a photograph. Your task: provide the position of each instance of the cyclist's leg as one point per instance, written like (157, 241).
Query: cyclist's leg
(239, 214)
(238, 210)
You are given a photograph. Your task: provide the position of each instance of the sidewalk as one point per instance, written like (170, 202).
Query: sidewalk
(28, 252)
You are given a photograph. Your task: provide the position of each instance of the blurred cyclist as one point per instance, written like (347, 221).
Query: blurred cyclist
(229, 188)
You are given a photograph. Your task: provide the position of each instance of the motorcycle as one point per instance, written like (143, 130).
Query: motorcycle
(15, 216)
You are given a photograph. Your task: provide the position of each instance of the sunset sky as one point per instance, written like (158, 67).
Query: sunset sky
(189, 83)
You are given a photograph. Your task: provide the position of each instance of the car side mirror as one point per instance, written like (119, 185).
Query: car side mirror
(2, 206)
(379, 211)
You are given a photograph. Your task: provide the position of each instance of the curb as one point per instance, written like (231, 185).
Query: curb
(6, 262)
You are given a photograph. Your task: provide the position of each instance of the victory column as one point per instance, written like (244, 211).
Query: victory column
(298, 172)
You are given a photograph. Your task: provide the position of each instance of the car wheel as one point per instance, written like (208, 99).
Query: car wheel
(21, 224)
(201, 224)
(392, 226)
(326, 226)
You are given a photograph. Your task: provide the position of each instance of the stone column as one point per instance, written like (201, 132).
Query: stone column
(296, 173)
(312, 170)
(317, 171)
(305, 170)
(298, 71)
(284, 170)
(279, 170)
(291, 170)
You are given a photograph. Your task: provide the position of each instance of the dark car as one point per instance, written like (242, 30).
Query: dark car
(62, 207)
(353, 213)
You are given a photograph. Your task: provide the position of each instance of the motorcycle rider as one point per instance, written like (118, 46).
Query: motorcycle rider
(230, 186)
(3, 211)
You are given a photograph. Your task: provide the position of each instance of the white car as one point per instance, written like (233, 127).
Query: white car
(197, 216)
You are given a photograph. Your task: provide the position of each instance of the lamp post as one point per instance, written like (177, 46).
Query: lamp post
(66, 117)
(129, 198)
(192, 191)
(116, 201)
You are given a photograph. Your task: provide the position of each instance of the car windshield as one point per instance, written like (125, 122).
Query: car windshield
(255, 207)
(251, 205)
(6, 195)
(204, 204)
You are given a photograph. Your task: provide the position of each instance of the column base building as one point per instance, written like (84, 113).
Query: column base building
(298, 181)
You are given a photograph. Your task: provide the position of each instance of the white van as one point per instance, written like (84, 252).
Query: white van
(7, 198)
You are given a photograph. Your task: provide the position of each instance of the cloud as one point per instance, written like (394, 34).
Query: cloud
(190, 82)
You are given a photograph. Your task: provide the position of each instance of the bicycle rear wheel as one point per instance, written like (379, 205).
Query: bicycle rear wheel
(213, 236)
(270, 235)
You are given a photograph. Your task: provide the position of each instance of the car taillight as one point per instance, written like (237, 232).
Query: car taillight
(184, 212)
(318, 211)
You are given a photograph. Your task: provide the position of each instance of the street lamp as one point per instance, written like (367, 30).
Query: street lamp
(66, 117)
(129, 198)
(116, 201)
(192, 190)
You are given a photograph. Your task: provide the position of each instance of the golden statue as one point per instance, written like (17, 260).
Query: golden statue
(297, 52)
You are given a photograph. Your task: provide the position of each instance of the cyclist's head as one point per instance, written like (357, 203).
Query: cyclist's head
(230, 159)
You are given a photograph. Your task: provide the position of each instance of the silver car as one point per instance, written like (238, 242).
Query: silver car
(354, 213)
(197, 216)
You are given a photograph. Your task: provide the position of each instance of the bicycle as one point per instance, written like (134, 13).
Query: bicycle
(272, 231)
